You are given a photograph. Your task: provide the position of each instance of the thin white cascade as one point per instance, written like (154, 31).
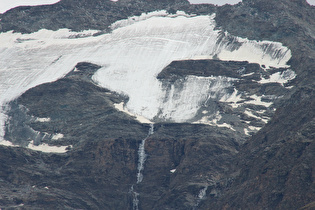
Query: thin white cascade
(142, 156)
(135, 199)
(141, 159)
(201, 196)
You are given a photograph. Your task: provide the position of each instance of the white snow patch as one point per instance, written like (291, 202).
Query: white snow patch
(256, 100)
(3, 118)
(225, 125)
(249, 74)
(214, 121)
(261, 111)
(6, 5)
(57, 136)
(270, 54)
(42, 119)
(279, 77)
(202, 193)
(246, 132)
(311, 2)
(8, 143)
(251, 128)
(42, 147)
(215, 2)
(250, 114)
(146, 16)
(196, 91)
(121, 108)
(204, 120)
(254, 128)
(46, 148)
(232, 99)
(173, 170)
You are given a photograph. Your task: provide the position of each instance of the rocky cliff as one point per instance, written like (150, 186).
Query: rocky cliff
(256, 152)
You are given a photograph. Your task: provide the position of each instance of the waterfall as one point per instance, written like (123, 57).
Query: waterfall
(142, 156)
(141, 159)
(201, 196)
(202, 193)
(135, 200)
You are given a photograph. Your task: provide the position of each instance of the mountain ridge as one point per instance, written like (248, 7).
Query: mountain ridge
(273, 169)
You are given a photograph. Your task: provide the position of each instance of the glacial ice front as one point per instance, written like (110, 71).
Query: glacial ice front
(131, 56)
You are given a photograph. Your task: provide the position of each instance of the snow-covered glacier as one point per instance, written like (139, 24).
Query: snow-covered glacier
(131, 56)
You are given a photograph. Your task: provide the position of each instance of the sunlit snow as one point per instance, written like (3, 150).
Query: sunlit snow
(46, 148)
(231, 2)
(173, 170)
(42, 147)
(57, 136)
(279, 77)
(257, 100)
(121, 108)
(311, 2)
(269, 54)
(215, 2)
(131, 56)
(42, 119)
(182, 103)
(232, 99)
(9, 4)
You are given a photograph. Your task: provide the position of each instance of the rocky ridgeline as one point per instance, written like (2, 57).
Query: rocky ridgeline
(187, 165)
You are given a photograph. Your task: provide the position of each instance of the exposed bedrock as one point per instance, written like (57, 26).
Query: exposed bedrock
(188, 166)
(181, 159)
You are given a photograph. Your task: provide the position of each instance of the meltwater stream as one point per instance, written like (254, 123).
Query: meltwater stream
(142, 156)
(201, 196)
(141, 159)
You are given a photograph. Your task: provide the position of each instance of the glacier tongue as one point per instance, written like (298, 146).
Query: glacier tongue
(131, 56)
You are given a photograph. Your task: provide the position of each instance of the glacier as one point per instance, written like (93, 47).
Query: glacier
(131, 57)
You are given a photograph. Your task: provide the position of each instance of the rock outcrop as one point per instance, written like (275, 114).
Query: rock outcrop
(187, 166)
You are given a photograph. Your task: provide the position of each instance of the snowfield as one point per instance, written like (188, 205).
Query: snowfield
(6, 5)
(131, 56)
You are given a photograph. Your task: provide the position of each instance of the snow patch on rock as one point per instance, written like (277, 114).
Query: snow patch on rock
(279, 77)
(6, 5)
(131, 56)
(42, 119)
(267, 53)
(57, 136)
(46, 148)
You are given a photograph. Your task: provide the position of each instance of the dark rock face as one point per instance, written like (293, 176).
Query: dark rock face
(102, 165)
(274, 169)
(81, 14)
(246, 79)
(76, 107)
(209, 68)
